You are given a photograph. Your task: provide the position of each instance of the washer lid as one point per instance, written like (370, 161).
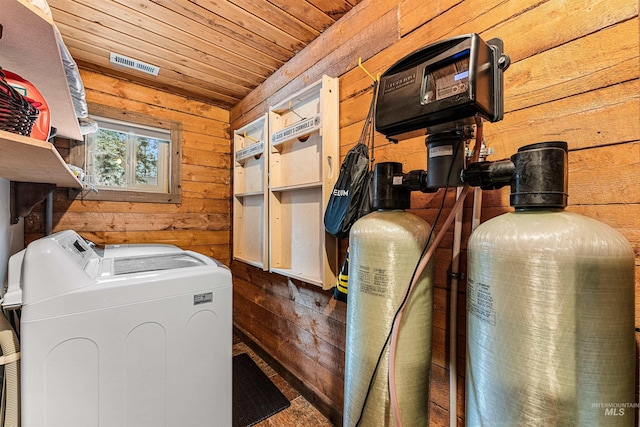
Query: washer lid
(138, 249)
(127, 265)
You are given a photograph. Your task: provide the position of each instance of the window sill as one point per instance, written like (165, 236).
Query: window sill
(124, 196)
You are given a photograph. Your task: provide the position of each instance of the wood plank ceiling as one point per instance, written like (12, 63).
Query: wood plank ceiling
(212, 50)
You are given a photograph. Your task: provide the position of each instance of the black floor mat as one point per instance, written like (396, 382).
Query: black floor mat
(255, 397)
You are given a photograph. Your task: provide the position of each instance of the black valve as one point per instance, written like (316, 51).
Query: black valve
(417, 181)
(489, 175)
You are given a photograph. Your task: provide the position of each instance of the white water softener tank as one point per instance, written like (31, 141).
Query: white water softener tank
(550, 300)
(384, 248)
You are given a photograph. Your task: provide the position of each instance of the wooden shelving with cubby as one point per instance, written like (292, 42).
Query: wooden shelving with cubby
(303, 168)
(250, 194)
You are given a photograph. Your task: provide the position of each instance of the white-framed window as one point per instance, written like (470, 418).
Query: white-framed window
(127, 156)
(131, 157)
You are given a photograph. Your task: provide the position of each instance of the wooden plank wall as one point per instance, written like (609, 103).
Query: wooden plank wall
(201, 222)
(574, 77)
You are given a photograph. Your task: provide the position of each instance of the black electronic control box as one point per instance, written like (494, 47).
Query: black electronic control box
(444, 82)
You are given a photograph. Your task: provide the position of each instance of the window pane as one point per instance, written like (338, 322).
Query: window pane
(129, 157)
(109, 158)
(147, 153)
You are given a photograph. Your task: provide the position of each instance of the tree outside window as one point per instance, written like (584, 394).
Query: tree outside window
(129, 157)
(132, 157)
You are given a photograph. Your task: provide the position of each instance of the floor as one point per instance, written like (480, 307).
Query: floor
(300, 413)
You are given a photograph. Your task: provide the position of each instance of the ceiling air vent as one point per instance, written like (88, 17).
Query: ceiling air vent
(133, 63)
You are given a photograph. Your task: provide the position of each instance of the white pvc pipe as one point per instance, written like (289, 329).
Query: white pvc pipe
(395, 409)
(453, 312)
(477, 208)
(453, 316)
(396, 325)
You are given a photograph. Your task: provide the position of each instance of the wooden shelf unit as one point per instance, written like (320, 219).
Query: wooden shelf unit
(29, 48)
(30, 160)
(304, 162)
(250, 194)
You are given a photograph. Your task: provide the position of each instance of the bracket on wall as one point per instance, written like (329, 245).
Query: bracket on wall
(375, 79)
(24, 196)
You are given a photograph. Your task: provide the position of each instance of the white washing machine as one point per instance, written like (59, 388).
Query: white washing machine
(135, 335)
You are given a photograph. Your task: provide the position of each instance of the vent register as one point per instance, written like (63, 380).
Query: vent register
(125, 61)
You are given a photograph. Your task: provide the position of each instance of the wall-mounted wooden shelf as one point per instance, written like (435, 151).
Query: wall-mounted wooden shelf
(34, 168)
(26, 159)
(304, 164)
(29, 48)
(250, 194)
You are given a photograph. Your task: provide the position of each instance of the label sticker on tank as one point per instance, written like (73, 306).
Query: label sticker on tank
(202, 298)
(443, 150)
(374, 281)
(480, 301)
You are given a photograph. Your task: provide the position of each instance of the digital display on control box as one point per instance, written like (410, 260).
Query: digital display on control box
(446, 81)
